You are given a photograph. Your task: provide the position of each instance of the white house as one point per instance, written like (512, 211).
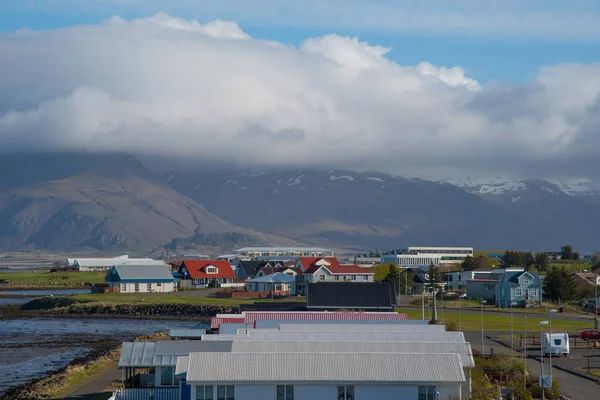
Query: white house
(141, 278)
(320, 376)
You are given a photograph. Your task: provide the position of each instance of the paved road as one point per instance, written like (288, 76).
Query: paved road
(95, 389)
(572, 386)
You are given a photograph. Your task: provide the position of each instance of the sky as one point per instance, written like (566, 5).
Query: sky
(427, 88)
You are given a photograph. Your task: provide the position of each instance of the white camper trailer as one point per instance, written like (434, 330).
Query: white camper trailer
(555, 343)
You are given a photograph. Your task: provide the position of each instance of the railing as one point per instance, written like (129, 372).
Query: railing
(146, 394)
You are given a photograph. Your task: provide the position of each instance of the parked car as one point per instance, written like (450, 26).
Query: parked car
(590, 334)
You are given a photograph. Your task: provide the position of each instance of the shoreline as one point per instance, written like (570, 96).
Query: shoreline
(55, 381)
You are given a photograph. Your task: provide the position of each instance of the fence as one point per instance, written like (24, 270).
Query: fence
(574, 342)
(146, 394)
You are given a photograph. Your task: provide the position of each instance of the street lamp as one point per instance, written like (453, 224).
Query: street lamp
(525, 358)
(542, 381)
(550, 312)
(482, 348)
(511, 329)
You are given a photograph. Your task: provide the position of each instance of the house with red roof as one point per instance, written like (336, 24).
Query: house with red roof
(329, 269)
(198, 274)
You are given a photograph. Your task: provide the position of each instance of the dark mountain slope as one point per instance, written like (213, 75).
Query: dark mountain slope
(362, 210)
(101, 201)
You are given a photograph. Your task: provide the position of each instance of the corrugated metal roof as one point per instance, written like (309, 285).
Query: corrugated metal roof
(182, 365)
(276, 277)
(276, 323)
(187, 333)
(136, 354)
(165, 352)
(257, 335)
(462, 349)
(146, 272)
(252, 316)
(232, 328)
(359, 328)
(324, 367)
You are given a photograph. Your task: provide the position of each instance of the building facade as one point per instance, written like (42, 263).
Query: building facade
(250, 253)
(417, 256)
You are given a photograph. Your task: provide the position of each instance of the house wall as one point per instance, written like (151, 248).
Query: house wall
(165, 287)
(507, 293)
(481, 290)
(323, 276)
(329, 391)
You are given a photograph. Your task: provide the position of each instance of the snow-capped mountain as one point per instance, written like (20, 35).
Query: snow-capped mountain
(513, 188)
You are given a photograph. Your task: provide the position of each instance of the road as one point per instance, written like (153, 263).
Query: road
(574, 387)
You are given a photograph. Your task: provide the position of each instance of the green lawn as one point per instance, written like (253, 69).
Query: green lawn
(501, 322)
(162, 298)
(41, 278)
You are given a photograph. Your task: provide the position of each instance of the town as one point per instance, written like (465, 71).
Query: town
(417, 323)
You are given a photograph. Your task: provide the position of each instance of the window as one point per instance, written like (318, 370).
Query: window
(525, 280)
(211, 270)
(533, 292)
(149, 287)
(365, 277)
(137, 287)
(159, 284)
(353, 277)
(336, 277)
(204, 393)
(166, 376)
(427, 393)
(518, 292)
(285, 392)
(346, 392)
(123, 287)
(225, 392)
(321, 277)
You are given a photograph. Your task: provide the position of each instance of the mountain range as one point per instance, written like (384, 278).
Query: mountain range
(113, 202)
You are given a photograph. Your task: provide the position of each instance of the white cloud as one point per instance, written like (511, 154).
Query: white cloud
(164, 85)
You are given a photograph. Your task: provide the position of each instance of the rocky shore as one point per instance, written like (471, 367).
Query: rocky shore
(64, 307)
(103, 351)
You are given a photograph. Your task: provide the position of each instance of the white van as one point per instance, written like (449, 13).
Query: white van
(555, 343)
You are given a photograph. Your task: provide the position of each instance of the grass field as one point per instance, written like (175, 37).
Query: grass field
(161, 298)
(41, 278)
(501, 322)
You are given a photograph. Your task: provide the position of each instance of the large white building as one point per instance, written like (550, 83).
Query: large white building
(250, 253)
(416, 256)
(104, 264)
(320, 376)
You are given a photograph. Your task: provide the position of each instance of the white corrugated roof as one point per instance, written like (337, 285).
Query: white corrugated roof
(187, 333)
(462, 349)
(358, 328)
(182, 365)
(279, 336)
(324, 367)
(164, 352)
(135, 354)
(110, 262)
(275, 323)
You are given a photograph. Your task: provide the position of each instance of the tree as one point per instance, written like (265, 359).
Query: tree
(393, 276)
(559, 285)
(468, 264)
(566, 252)
(484, 262)
(541, 261)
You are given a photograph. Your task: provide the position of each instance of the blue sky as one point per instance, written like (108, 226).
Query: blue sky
(500, 41)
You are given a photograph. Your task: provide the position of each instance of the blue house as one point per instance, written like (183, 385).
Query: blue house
(519, 289)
